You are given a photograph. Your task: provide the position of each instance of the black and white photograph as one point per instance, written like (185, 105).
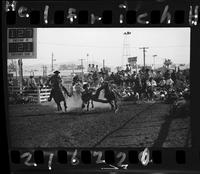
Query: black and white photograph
(99, 87)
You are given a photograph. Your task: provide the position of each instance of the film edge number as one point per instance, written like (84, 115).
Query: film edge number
(144, 158)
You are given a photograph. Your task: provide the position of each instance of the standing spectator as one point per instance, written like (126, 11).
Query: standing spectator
(40, 82)
(32, 83)
(97, 68)
(159, 76)
(25, 82)
(151, 84)
(89, 68)
(92, 68)
(152, 74)
(128, 69)
(138, 85)
(173, 76)
(167, 74)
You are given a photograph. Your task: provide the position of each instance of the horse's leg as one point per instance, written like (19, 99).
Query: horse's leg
(92, 103)
(60, 107)
(83, 105)
(116, 106)
(65, 105)
(111, 104)
(88, 105)
(96, 95)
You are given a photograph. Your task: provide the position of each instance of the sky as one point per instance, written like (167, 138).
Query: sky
(73, 44)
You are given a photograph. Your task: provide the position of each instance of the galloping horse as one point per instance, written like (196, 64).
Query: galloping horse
(57, 95)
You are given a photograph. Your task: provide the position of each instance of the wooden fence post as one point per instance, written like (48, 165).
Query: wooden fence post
(38, 92)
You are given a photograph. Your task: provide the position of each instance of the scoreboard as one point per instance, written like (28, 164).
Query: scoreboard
(21, 43)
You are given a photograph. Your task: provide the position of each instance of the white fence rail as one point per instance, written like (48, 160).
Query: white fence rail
(36, 96)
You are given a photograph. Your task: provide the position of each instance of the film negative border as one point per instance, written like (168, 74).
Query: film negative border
(121, 13)
(107, 159)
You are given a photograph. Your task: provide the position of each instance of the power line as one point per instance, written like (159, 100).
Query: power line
(107, 46)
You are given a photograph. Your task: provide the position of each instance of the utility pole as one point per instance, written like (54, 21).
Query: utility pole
(103, 63)
(82, 66)
(20, 63)
(52, 60)
(44, 70)
(144, 50)
(154, 60)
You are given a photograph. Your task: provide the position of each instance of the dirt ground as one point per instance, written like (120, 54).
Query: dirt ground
(135, 125)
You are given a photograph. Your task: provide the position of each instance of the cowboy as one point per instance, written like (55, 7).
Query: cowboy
(55, 81)
(75, 80)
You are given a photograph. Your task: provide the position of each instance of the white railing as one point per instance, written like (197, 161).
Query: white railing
(36, 95)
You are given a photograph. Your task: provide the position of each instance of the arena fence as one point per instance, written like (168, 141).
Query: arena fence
(34, 96)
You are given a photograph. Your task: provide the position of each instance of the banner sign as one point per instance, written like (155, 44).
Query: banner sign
(132, 59)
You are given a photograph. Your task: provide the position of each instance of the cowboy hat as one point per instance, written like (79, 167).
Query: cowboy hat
(56, 72)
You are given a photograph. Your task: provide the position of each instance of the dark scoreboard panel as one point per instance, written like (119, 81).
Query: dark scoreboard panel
(21, 47)
(21, 43)
(21, 33)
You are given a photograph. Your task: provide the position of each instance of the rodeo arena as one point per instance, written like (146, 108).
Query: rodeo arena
(133, 106)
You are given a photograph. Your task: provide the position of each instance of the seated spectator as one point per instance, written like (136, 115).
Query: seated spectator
(169, 83)
(152, 74)
(162, 83)
(153, 82)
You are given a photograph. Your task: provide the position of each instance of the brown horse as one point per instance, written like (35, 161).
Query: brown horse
(58, 96)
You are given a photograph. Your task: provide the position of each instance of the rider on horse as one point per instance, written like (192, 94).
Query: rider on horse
(75, 80)
(56, 82)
